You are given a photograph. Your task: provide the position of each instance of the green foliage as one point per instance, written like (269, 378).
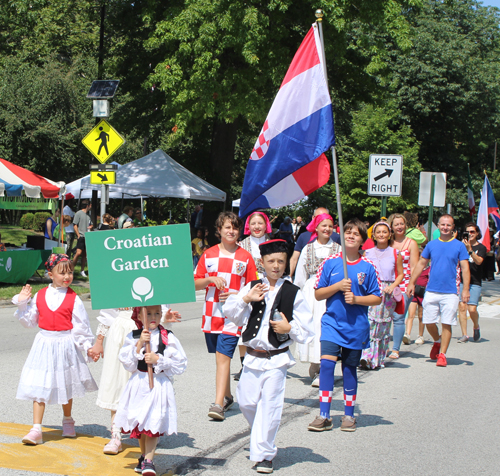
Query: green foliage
(36, 29)
(149, 222)
(34, 221)
(27, 221)
(226, 59)
(412, 77)
(376, 130)
(39, 220)
(447, 87)
(43, 117)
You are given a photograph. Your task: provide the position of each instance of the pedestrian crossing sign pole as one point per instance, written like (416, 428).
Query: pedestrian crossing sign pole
(103, 141)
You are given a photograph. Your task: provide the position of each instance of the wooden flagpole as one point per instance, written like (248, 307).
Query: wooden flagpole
(319, 21)
(145, 322)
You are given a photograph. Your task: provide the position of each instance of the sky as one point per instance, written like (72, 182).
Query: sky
(492, 3)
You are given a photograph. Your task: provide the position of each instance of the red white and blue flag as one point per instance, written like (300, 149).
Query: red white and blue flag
(488, 206)
(288, 162)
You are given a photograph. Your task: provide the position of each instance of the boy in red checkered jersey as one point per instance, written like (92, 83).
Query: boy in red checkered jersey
(223, 269)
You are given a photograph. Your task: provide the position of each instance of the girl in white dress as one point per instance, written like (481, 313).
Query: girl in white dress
(149, 413)
(114, 326)
(55, 370)
(314, 253)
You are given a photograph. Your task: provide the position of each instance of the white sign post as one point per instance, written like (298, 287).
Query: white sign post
(424, 190)
(385, 175)
(432, 193)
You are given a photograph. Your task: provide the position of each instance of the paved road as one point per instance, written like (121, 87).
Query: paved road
(413, 417)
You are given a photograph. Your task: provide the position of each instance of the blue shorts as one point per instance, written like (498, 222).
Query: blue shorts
(475, 294)
(222, 343)
(349, 357)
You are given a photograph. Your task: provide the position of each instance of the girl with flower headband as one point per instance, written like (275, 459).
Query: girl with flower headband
(313, 254)
(55, 370)
(389, 266)
(148, 413)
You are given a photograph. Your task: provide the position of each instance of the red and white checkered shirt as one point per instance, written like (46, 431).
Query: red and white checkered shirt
(237, 269)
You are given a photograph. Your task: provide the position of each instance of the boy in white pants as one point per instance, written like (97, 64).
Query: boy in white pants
(261, 390)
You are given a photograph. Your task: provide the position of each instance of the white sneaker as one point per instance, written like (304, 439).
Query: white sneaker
(419, 340)
(83, 274)
(406, 339)
(315, 382)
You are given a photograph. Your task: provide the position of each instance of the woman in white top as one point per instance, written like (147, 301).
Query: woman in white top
(313, 254)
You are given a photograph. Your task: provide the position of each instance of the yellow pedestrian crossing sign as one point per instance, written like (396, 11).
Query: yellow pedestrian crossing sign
(99, 177)
(103, 141)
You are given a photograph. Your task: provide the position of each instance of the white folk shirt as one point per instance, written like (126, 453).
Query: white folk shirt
(27, 314)
(302, 330)
(321, 251)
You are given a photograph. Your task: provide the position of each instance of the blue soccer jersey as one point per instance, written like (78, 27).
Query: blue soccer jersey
(344, 324)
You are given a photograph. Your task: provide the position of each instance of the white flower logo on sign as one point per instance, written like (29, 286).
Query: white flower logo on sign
(142, 289)
(8, 265)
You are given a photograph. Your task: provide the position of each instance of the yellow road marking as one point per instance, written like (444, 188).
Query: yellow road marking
(80, 456)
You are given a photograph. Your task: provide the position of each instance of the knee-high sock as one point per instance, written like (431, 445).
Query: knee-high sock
(326, 381)
(350, 388)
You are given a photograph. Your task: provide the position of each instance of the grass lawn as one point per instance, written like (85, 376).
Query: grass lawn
(15, 235)
(8, 291)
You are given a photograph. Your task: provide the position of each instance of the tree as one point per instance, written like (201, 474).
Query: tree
(43, 117)
(225, 60)
(447, 86)
(377, 130)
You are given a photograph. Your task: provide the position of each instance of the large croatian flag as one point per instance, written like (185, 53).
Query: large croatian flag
(288, 161)
(488, 206)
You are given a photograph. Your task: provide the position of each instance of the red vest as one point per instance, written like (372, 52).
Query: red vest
(61, 318)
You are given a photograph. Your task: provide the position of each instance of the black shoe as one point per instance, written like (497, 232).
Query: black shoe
(138, 468)
(238, 375)
(477, 334)
(148, 468)
(264, 467)
(228, 403)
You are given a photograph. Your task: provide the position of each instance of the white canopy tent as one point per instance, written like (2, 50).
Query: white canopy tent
(157, 175)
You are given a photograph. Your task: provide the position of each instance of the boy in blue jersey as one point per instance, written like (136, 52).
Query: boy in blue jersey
(345, 329)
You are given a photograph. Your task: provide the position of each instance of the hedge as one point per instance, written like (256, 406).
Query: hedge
(34, 221)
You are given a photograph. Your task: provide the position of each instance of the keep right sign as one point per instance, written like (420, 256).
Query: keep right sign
(385, 175)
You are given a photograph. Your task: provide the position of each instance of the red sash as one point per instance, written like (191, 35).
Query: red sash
(61, 318)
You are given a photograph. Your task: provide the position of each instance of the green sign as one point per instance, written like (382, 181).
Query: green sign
(25, 203)
(140, 266)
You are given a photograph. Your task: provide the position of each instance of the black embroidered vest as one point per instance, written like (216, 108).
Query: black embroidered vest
(141, 364)
(283, 302)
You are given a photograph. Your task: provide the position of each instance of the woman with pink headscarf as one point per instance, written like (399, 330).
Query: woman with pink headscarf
(312, 256)
(258, 227)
